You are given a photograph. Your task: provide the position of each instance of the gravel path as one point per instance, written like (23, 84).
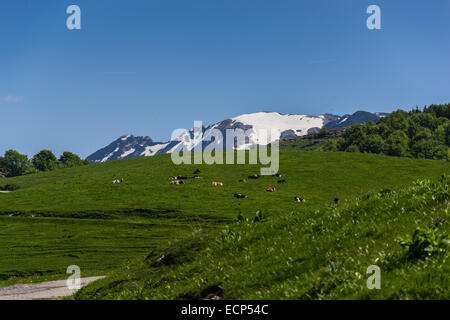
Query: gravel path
(44, 290)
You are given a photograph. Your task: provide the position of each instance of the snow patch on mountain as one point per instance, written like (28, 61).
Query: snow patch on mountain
(152, 150)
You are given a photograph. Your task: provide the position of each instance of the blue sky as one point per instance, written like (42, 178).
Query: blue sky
(146, 67)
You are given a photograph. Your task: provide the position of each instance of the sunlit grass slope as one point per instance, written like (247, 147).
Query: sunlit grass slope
(77, 216)
(311, 254)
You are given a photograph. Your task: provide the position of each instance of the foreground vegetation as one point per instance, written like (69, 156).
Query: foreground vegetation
(308, 254)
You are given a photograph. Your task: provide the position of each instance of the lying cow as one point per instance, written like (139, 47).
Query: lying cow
(276, 175)
(178, 178)
(117, 181)
(177, 182)
(336, 201)
(271, 189)
(196, 172)
(242, 180)
(297, 199)
(255, 176)
(281, 181)
(240, 196)
(214, 183)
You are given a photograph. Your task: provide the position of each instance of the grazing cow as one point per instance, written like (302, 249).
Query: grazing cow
(276, 175)
(196, 172)
(117, 181)
(336, 201)
(242, 180)
(281, 181)
(297, 199)
(255, 176)
(271, 189)
(177, 182)
(240, 196)
(217, 184)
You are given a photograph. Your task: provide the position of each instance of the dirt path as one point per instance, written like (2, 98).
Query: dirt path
(5, 191)
(44, 290)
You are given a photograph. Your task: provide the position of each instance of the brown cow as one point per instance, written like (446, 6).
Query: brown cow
(217, 184)
(271, 189)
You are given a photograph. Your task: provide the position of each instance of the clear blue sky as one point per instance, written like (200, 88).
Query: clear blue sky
(146, 67)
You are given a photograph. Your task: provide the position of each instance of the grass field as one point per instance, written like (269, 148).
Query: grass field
(322, 254)
(77, 216)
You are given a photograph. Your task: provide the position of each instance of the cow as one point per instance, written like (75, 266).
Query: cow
(177, 182)
(196, 177)
(196, 172)
(276, 175)
(271, 189)
(297, 199)
(242, 180)
(336, 201)
(255, 176)
(281, 181)
(117, 181)
(240, 196)
(178, 178)
(217, 184)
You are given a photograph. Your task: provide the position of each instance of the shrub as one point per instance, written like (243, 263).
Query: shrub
(424, 243)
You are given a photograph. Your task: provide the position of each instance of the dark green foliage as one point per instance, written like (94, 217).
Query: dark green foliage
(69, 160)
(14, 164)
(325, 139)
(424, 243)
(403, 134)
(260, 216)
(45, 160)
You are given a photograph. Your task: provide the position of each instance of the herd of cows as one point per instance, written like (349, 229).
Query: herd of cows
(180, 180)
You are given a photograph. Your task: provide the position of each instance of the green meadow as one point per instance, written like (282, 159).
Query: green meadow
(77, 216)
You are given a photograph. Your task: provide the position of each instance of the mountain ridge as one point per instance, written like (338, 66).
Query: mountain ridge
(289, 126)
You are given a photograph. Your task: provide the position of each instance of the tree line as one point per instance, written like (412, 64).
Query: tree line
(14, 164)
(418, 134)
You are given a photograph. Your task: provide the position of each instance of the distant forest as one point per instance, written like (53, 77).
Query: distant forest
(418, 134)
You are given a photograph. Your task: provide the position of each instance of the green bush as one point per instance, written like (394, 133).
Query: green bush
(424, 243)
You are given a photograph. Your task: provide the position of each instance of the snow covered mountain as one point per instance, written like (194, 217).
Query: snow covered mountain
(288, 126)
(127, 146)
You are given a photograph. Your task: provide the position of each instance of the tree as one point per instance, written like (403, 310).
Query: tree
(45, 160)
(352, 148)
(15, 164)
(373, 143)
(69, 159)
(3, 169)
(397, 144)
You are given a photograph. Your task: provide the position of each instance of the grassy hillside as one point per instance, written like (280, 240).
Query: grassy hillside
(77, 216)
(308, 254)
